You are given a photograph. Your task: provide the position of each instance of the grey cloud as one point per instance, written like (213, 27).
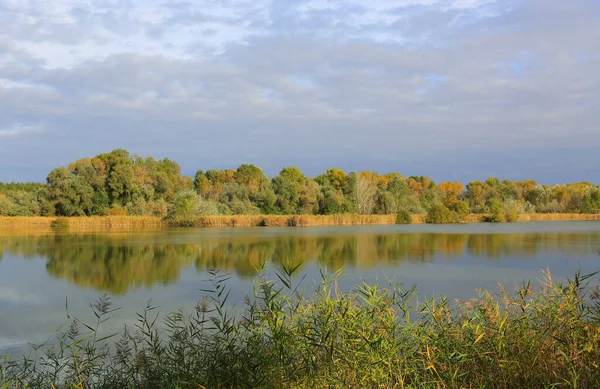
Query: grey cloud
(510, 95)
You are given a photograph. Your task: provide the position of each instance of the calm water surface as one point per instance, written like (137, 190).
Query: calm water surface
(38, 274)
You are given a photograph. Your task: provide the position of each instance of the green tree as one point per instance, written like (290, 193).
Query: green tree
(288, 186)
(592, 201)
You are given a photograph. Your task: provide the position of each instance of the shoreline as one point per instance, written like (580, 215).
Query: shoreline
(126, 223)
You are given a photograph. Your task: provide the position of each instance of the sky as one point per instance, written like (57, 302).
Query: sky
(451, 89)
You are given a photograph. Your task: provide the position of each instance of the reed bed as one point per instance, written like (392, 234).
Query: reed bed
(18, 222)
(371, 337)
(341, 220)
(229, 221)
(530, 217)
(126, 223)
(114, 222)
(292, 220)
(79, 223)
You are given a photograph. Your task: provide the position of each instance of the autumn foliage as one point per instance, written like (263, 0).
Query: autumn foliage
(120, 184)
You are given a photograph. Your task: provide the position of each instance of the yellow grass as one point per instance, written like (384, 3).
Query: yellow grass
(341, 220)
(292, 220)
(126, 223)
(532, 217)
(16, 222)
(80, 223)
(117, 222)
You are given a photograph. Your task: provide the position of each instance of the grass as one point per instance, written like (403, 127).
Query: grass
(530, 217)
(372, 337)
(35, 222)
(126, 223)
(292, 220)
(79, 223)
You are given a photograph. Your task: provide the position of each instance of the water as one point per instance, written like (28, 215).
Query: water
(41, 275)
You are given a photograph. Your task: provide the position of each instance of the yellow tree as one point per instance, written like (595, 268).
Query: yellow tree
(451, 192)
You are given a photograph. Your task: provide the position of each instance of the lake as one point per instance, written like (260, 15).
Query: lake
(40, 275)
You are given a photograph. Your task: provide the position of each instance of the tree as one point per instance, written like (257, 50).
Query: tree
(288, 186)
(366, 191)
(451, 192)
(6, 206)
(331, 202)
(403, 197)
(592, 201)
(71, 195)
(202, 184)
(336, 178)
(251, 177)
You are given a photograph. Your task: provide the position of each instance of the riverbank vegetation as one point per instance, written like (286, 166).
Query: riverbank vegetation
(36, 224)
(121, 184)
(372, 337)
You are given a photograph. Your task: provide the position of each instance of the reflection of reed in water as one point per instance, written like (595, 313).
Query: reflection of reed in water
(119, 262)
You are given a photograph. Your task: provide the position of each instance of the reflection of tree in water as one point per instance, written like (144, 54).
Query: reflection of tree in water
(119, 262)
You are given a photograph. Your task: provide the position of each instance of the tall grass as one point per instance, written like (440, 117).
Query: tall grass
(79, 223)
(124, 223)
(373, 337)
(33, 222)
(558, 216)
(292, 220)
(114, 222)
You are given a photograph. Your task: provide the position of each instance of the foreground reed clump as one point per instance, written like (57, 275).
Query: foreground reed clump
(373, 337)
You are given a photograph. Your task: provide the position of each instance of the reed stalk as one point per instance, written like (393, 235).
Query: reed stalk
(372, 337)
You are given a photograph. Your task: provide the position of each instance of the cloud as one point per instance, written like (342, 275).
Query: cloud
(419, 86)
(19, 130)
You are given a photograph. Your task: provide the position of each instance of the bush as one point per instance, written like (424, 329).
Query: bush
(440, 214)
(403, 217)
(512, 215)
(187, 206)
(462, 210)
(117, 211)
(496, 212)
(60, 223)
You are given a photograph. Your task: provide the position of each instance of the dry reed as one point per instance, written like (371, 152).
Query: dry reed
(15, 222)
(292, 220)
(124, 223)
(531, 217)
(79, 223)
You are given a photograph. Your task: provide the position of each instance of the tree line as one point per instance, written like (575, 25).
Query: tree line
(120, 183)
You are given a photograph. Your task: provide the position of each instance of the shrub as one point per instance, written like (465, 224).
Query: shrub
(403, 217)
(440, 214)
(496, 212)
(60, 223)
(117, 211)
(187, 206)
(462, 210)
(512, 215)
(511, 211)
(158, 208)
